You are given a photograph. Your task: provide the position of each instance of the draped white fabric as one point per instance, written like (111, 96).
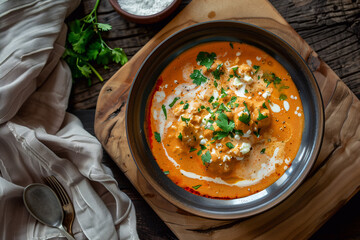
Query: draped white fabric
(39, 138)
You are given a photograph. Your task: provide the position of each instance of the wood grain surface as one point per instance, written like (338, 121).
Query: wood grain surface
(332, 181)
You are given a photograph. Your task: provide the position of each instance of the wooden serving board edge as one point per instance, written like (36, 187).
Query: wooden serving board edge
(331, 182)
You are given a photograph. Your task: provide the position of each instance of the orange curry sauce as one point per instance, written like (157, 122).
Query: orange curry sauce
(224, 120)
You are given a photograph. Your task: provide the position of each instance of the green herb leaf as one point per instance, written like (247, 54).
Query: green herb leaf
(180, 136)
(283, 87)
(224, 123)
(164, 111)
(223, 93)
(234, 70)
(199, 152)
(186, 106)
(182, 102)
(218, 135)
(232, 101)
(239, 132)
(166, 172)
(157, 136)
(261, 116)
(197, 77)
(186, 120)
(257, 68)
(192, 149)
(206, 59)
(229, 145)
(196, 187)
(245, 117)
(103, 26)
(215, 83)
(215, 104)
(257, 133)
(264, 105)
(210, 127)
(118, 56)
(206, 158)
(282, 97)
(223, 108)
(173, 102)
(217, 73)
(202, 147)
(263, 151)
(211, 99)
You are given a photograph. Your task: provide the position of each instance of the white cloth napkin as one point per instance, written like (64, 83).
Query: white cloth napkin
(39, 138)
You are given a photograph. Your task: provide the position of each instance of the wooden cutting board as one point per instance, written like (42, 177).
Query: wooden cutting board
(334, 179)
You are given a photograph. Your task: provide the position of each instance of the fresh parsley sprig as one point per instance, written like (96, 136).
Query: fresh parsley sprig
(85, 47)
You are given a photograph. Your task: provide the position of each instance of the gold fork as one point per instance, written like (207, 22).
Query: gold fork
(69, 213)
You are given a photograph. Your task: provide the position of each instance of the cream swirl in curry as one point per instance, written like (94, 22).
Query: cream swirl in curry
(224, 120)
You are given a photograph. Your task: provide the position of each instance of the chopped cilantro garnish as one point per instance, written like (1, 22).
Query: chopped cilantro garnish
(217, 73)
(206, 59)
(211, 99)
(182, 102)
(239, 132)
(229, 145)
(264, 105)
(223, 93)
(283, 87)
(263, 151)
(234, 70)
(186, 120)
(231, 45)
(261, 116)
(197, 77)
(186, 106)
(166, 172)
(257, 133)
(215, 83)
(246, 91)
(210, 127)
(223, 108)
(180, 136)
(192, 149)
(224, 123)
(215, 104)
(202, 147)
(164, 110)
(196, 187)
(271, 78)
(157, 136)
(173, 102)
(206, 158)
(219, 135)
(232, 101)
(199, 152)
(245, 117)
(282, 97)
(202, 106)
(257, 68)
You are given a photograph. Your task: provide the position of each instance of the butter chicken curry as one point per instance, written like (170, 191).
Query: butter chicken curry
(224, 120)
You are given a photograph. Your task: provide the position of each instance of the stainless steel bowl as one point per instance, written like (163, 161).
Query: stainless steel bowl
(233, 31)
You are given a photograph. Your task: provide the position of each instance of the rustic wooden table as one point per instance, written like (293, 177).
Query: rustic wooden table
(332, 29)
